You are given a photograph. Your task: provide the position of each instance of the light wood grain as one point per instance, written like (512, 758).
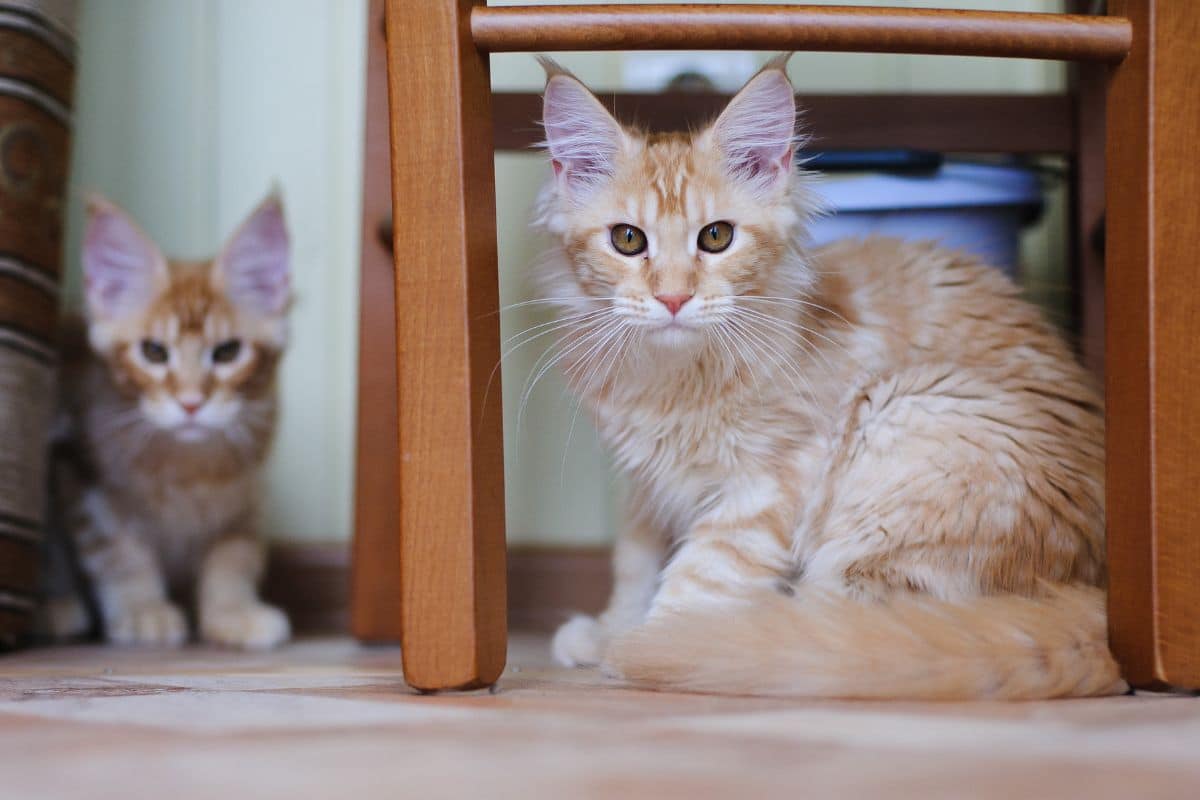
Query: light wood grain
(782, 27)
(452, 557)
(1153, 362)
(375, 586)
(325, 719)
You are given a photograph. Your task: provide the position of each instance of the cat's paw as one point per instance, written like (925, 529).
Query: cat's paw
(580, 642)
(62, 618)
(155, 623)
(256, 626)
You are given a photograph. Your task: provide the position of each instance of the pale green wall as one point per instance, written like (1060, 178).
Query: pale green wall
(188, 109)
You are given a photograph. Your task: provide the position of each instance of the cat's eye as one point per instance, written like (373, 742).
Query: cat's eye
(226, 351)
(715, 237)
(628, 240)
(154, 352)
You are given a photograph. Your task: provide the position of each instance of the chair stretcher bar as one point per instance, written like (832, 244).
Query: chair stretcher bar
(1066, 37)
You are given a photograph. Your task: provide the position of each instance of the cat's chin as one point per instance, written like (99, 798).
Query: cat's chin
(675, 337)
(191, 433)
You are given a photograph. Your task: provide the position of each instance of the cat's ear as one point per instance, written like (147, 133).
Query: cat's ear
(756, 133)
(254, 267)
(582, 137)
(122, 268)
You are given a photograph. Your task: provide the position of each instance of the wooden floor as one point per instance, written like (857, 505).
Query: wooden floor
(327, 719)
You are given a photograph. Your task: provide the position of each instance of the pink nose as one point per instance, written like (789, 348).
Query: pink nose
(673, 302)
(192, 407)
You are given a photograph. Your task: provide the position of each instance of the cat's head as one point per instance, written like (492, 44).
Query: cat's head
(672, 228)
(197, 342)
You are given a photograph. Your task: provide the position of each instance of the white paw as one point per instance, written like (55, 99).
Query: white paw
(580, 642)
(154, 623)
(250, 627)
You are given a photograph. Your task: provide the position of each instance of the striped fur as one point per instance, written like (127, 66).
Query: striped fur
(164, 488)
(865, 470)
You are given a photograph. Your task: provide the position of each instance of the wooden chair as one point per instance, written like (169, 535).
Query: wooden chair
(451, 501)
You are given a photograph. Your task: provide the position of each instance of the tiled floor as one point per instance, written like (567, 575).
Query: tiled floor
(327, 719)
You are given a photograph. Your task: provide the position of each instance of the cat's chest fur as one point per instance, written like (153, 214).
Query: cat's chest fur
(172, 508)
(691, 443)
(179, 518)
(175, 496)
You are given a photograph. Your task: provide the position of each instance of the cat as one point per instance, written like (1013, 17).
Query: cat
(171, 405)
(867, 470)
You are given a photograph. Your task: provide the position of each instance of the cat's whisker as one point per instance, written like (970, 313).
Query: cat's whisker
(120, 416)
(794, 338)
(560, 321)
(716, 341)
(575, 339)
(741, 334)
(552, 358)
(542, 301)
(771, 327)
(597, 351)
(549, 301)
(624, 334)
(585, 337)
(721, 337)
(794, 329)
(551, 327)
(792, 301)
(775, 355)
(797, 326)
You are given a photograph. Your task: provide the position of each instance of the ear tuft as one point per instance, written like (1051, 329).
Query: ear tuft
(582, 137)
(254, 267)
(756, 133)
(122, 268)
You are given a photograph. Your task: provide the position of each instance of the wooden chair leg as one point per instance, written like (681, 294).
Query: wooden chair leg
(1153, 361)
(375, 580)
(452, 557)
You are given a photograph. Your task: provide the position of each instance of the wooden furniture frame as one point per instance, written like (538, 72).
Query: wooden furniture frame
(451, 544)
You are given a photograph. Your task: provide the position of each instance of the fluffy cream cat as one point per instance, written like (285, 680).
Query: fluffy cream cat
(880, 471)
(173, 405)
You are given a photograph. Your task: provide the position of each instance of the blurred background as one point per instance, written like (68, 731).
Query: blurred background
(188, 110)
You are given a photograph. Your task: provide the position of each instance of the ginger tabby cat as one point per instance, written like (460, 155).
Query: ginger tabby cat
(866, 470)
(171, 407)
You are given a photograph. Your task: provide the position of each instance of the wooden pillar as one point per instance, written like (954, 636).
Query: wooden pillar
(451, 478)
(1153, 346)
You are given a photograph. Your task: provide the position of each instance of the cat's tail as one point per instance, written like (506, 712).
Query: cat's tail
(818, 645)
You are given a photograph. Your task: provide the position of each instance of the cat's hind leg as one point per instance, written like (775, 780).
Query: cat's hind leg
(227, 598)
(958, 484)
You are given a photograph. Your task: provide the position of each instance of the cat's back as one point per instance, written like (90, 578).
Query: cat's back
(919, 301)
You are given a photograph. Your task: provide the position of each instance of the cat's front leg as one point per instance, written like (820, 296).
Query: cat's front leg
(126, 579)
(227, 598)
(637, 559)
(724, 555)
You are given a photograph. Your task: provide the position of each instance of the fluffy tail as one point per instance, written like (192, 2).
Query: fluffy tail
(1003, 647)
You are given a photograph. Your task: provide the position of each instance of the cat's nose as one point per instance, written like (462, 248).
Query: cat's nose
(673, 302)
(190, 404)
